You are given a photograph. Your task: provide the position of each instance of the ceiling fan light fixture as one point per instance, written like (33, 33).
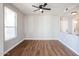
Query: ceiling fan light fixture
(41, 9)
(74, 13)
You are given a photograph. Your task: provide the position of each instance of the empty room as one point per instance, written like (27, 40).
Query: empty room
(39, 29)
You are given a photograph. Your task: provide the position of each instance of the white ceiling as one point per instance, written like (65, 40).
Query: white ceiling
(57, 8)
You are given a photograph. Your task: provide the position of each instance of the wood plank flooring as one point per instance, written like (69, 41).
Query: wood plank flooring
(40, 48)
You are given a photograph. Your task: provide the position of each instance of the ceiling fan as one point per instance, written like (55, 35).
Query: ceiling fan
(41, 7)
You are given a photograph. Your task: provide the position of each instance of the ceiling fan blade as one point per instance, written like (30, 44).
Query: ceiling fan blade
(46, 8)
(36, 10)
(44, 4)
(35, 6)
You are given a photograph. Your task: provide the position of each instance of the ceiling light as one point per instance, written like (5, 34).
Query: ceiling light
(74, 13)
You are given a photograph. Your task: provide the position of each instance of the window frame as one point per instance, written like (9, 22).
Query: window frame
(15, 27)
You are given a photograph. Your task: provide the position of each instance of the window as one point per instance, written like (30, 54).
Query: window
(63, 24)
(10, 26)
(75, 26)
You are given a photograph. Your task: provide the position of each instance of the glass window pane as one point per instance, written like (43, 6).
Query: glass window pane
(63, 25)
(10, 17)
(10, 33)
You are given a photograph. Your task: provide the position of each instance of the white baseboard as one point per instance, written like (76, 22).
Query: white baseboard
(13, 47)
(40, 38)
(69, 47)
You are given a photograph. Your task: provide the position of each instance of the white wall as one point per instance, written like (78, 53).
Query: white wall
(20, 34)
(1, 29)
(41, 26)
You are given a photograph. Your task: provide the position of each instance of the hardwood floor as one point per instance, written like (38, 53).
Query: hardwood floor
(40, 48)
